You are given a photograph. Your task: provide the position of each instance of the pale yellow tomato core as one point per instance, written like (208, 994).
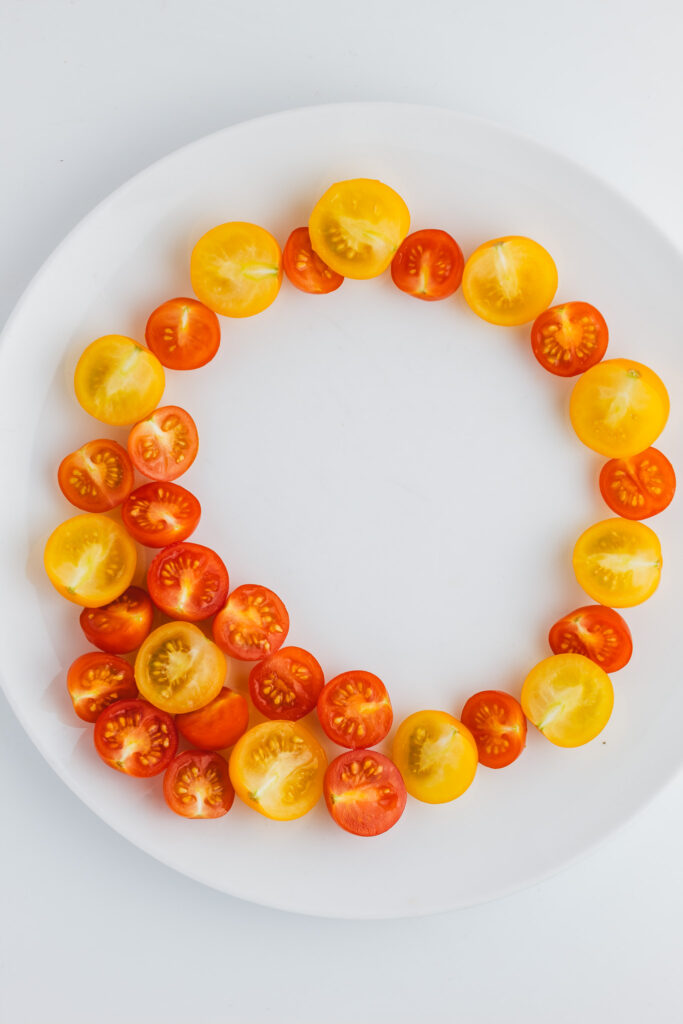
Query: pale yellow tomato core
(618, 562)
(436, 755)
(90, 560)
(568, 698)
(236, 269)
(118, 381)
(509, 281)
(178, 669)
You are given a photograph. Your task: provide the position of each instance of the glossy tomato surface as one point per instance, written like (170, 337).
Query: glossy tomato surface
(568, 698)
(498, 725)
(253, 624)
(135, 738)
(509, 281)
(570, 338)
(354, 709)
(618, 562)
(178, 669)
(287, 684)
(188, 581)
(217, 725)
(97, 477)
(90, 560)
(197, 785)
(164, 445)
(118, 381)
(428, 265)
(236, 269)
(364, 792)
(597, 632)
(639, 486)
(305, 269)
(160, 513)
(96, 680)
(120, 626)
(183, 334)
(436, 755)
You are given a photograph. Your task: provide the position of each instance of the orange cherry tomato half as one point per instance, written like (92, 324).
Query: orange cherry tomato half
(160, 513)
(570, 338)
(96, 680)
(135, 738)
(97, 477)
(120, 626)
(597, 632)
(428, 265)
(253, 624)
(188, 582)
(364, 792)
(164, 445)
(219, 724)
(287, 684)
(197, 785)
(305, 269)
(354, 709)
(639, 486)
(183, 334)
(497, 722)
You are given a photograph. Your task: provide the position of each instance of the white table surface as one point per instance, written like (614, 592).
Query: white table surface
(93, 929)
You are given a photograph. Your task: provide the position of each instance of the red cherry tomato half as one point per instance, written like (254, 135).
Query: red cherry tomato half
(160, 513)
(498, 725)
(197, 785)
(97, 477)
(183, 334)
(568, 339)
(219, 724)
(305, 269)
(597, 632)
(253, 624)
(286, 684)
(354, 709)
(188, 582)
(121, 626)
(364, 792)
(96, 680)
(136, 738)
(640, 486)
(428, 265)
(164, 445)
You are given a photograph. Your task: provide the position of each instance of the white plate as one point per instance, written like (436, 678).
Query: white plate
(404, 475)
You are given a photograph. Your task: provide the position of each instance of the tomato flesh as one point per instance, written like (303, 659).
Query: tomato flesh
(570, 338)
(498, 725)
(118, 381)
(96, 680)
(568, 698)
(135, 738)
(97, 477)
(640, 486)
(287, 684)
(253, 624)
(305, 269)
(364, 792)
(178, 669)
(197, 785)
(188, 581)
(436, 755)
(183, 334)
(236, 269)
(120, 626)
(219, 724)
(164, 445)
(618, 562)
(428, 265)
(160, 513)
(354, 709)
(596, 632)
(90, 560)
(509, 281)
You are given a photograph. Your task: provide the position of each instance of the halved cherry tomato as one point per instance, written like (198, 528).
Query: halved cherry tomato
(90, 560)
(570, 338)
(287, 684)
(96, 680)
(498, 725)
(164, 445)
(178, 669)
(618, 562)
(640, 486)
(236, 269)
(568, 698)
(120, 626)
(97, 477)
(183, 334)
(509, 281)
(118, 381)
(219, 724)
(364, 792)
(253, 624)
(428, 265)
(277, 768)
(135, 738)
(160, 513)
(597, 632)
(436, 755)
(305, 269)
(188, 581)
(197, 785)
(354, 709)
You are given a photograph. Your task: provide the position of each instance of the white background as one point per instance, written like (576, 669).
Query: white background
(94, 929)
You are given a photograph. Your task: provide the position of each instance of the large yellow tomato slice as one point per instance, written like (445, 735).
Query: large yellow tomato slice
(118, 381)
(569, 698)
(619, 407)
(357, 226)
(236, 269)
(90, 559)
(178, 669)
(618, 562)
(278, 769)
(436, 755)
(509, 281)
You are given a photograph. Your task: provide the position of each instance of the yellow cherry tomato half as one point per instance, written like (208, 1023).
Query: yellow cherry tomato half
(90, 560)
(178, 669)
(618, 562)
(357, 226)
(118, 381)
(619, 407)
(568, 698)
(236, 269)
(277, 768)
(509, 281)
(436, 755)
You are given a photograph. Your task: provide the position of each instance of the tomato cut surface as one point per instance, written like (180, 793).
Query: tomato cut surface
(639, 486)
(287, 684)
(253, 624)
(160, 513)
(164, 445)
(236, 269)
(509, 281)
(135, 738)
(568, 698)
(188, 581)
(428, 265)
(618, 562)
(498, 725)
(219, 724)
(120, 626)
(183, 334)
(354, 709)
(364, 792)
(436, 755)
(118, 381)
(90, 560)
(197, 785)
(178, 669)
(97, 477)
(597, 632)
(96, 680)
(570, 338)
(305, 269)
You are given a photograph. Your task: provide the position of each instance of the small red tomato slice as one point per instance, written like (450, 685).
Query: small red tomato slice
(183, 334)
(135, 738)
(498, 725)
(219, 724)
(640, 486)
(428, 265)
(597, 632)
(286, 684)
(197, 785)
(164, 445)
(121, 626)
(364, 792)
(354, 709)
(253, 624)
(160, 513)
(188, 582)
(97, 477)
(569, 339)
(96, 680)
(305, 269)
